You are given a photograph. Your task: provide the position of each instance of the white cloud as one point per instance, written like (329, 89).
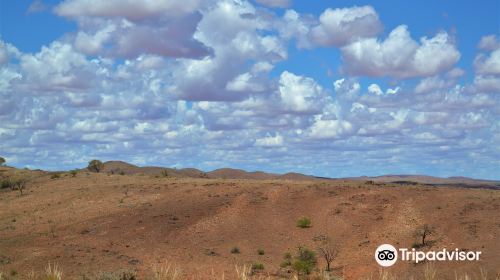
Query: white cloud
(275, 3)
(132, 10)
(242, 55)
(393, 90)
(56, 67)
(400, 56)
(375, 89)
(299, 94)
(339, 27)
(270, 141)
(488, 64)
(489, 43)
(326, 129)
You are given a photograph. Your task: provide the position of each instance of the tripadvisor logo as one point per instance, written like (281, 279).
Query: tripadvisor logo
(387, 255)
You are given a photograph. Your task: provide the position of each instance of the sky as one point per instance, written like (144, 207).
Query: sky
(329, 88)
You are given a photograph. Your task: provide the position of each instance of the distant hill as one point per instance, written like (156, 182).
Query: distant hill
(121, 167)
(430, 180)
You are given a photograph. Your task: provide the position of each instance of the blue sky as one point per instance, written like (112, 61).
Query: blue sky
(331, 88)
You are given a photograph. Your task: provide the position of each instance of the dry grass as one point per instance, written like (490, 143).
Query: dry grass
(53, 272)
(169, 271)
(165, 271)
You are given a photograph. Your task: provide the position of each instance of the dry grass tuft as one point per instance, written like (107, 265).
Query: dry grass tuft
(52, 272)
(165, 271)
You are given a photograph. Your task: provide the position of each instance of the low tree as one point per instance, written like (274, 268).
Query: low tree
(329, 252)
(2, 161)
(95, 165)
(18, 182)
(305, 261)
(423, 232)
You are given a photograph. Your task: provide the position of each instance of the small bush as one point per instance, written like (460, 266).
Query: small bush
(95, 165)
(117, 275)
(55, 176)
(6, 184)
(257, 266)
(261, 252)
(73, 173)
(287, 260)
(305, 261)
(304, 222)
(235, 250)
(2, 161)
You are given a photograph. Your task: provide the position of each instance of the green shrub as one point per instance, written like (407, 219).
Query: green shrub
(73, 172)
(260, 252)
(304, 222)
(117, 275)
(235, 250)
(305, 261)
(95, 165)
(6, 184)
(55, 176)
(2, 161)
(257, 266)
(287, 260)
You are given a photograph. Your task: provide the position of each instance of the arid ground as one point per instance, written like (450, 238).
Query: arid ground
(94, 222)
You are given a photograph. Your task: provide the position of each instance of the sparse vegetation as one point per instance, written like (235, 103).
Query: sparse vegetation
(165, 271)
(235, 250)
(17, 182)
(329, 252)
(423, 232)
(53, 272)
(123, 274)
(55, 176)
(303, 263)
(287, 260)
(261, 252)
(73, 172)
(304, 222)
(257, 266)
(6, 184)
(164, 173)
(95, 166)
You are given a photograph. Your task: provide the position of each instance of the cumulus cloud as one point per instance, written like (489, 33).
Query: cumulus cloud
(56, 67)
(340, 26)
(326, 129)
(299, 94)
(489, 43)
(375, 89)
(130, 28)
(270, 141)
(487, 65)
(131, 10)
(400, 56)
(275, 3)
(242, 55)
